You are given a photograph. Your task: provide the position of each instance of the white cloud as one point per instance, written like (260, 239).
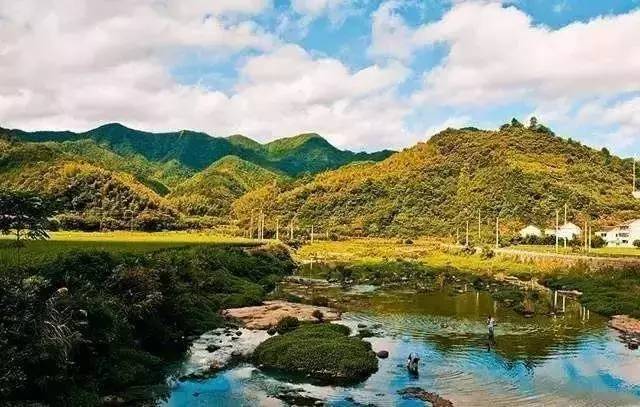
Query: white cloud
(391, 37)
(80, 69)
(317, 7)
(496, 54)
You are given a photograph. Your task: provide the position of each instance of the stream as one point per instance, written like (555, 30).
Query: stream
(572, 359)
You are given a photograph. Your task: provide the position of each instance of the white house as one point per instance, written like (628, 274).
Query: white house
(622, 235)
(567, 231)
(530, 230)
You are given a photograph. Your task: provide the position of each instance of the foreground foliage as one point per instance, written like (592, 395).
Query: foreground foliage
(321, 351)
(90, 324)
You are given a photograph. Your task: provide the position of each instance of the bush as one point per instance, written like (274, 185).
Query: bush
(487, 252)
(597, 242)
(318, 315)
(636, 243)
(320, 351)
(287, 324)
(319, 301)
(126, 317)
(408, 241)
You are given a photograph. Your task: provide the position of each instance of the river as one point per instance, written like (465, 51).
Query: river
(572, 359)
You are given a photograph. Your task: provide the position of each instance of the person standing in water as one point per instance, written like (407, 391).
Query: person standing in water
(491, 325)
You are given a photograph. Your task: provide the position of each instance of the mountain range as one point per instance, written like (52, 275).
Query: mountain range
(522, 174)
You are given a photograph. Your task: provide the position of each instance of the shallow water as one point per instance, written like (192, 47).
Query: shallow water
(568, 360)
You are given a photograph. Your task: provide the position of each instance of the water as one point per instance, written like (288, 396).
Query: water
(569, 360)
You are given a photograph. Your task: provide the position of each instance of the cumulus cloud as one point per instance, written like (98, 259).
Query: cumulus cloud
(496, 54)
(390, 35)
(91, 65)
(317, 7)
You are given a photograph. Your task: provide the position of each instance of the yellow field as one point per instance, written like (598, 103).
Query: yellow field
(428, 251)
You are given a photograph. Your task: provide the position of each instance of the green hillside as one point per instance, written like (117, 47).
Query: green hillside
(434, 187)
(212, 191)
(196, 151)
(80, 186)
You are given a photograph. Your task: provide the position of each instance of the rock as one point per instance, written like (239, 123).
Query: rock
(238, 333)
(212, 348)
(383, 354)
(112, 400)
(625, 324)
(421, 394)
(268, 314)
(271, 331)
(362, 325)
(236, 354)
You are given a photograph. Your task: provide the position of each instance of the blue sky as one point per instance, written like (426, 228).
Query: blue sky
(365, 74)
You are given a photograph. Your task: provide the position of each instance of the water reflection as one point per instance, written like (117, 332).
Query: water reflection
(568, 360)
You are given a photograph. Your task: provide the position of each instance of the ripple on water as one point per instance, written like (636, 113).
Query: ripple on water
(563, 361)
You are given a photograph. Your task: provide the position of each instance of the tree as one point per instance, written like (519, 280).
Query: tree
(533, 123)
(24, 215)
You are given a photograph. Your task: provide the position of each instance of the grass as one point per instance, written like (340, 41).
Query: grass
(430, 252)
(321, 351)
(599, 252)
(39, 252)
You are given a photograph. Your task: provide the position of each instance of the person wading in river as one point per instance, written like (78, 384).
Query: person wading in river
(491, 325)
(412, 363)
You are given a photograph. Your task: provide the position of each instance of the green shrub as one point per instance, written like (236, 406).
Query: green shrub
(318, 315)
(287, 324)
(319, 301)
(320, 351)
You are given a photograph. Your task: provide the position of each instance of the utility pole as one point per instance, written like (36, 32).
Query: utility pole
(467, 238)
(277, 228)
(251, 226)
(590, 234)
(634, 174)
(479, 239)
(497, 232)
(291, 231)
(557, 230)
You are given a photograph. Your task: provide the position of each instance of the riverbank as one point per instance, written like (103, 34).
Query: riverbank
(609, 291)
(96, 324)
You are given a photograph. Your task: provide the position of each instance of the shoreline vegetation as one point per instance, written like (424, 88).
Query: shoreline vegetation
(125, 305)
(93, 326)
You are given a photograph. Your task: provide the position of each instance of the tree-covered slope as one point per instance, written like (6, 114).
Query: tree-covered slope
(196, 151)
(525, 174)
(213, 190)
(77, 184)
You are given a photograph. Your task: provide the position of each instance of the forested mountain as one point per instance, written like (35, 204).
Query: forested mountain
(212, 191)
(196, 151)
(523, 173)
(95, 191)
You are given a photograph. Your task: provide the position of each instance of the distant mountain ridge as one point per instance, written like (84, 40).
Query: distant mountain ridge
(305, 153)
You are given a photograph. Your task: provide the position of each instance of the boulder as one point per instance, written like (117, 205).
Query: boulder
(382, 354)
(421, 394)
(212, 348)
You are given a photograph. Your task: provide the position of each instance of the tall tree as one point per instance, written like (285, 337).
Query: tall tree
(24, 215)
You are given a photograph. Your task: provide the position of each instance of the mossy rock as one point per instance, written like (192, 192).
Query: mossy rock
(319, 351)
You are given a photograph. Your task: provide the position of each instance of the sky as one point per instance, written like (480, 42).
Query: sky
(364, 74)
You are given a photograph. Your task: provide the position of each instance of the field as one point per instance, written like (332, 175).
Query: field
(430, 252)
(38, 252)
(600, 252)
